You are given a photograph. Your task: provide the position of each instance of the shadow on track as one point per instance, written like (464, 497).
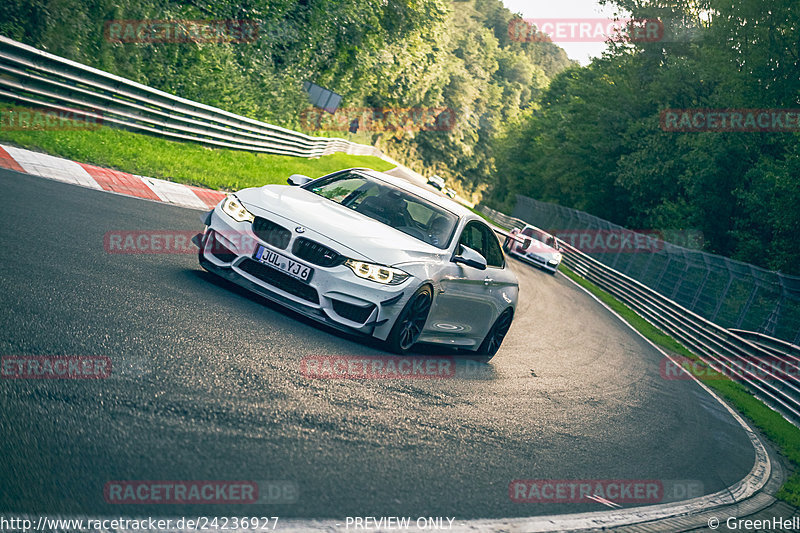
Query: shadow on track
(467, 364)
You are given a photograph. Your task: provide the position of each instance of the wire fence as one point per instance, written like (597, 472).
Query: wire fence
(726, 292)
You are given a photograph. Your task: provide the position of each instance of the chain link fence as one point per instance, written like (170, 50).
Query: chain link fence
(729, 293)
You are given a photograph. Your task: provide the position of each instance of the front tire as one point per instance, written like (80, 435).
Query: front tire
(408, 326)
(494, 338)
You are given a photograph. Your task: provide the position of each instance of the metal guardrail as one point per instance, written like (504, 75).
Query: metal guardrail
(769, 343)
(502, 219)
(725, 291)
(33, 77)
(771, 373)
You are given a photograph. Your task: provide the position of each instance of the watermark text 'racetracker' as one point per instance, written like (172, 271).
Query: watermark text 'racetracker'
(730, 120)
(55, 367)
(14, 118)
(377, 367)
(151, 31)
(585, 30)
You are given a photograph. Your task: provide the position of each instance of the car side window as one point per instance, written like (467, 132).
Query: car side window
(492, 251)
(472, 237)
(480, 237)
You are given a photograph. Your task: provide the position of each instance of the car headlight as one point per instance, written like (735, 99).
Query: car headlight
(378, 273)
(557, 257)
(234, 208)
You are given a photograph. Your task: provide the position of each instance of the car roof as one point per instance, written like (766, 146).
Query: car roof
(432, 197)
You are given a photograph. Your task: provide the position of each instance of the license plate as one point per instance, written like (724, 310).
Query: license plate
(283, 263)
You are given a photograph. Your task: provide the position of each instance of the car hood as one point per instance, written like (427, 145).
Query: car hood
(366, 239)
(541, 249)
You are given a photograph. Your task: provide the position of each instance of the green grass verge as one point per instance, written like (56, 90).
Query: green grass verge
(181, 162)
(784, 435)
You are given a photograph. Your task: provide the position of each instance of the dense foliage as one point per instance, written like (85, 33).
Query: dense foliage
(376, 54)
(596, 142)
(527, 120)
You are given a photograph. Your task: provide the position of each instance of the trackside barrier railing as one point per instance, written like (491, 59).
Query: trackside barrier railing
(769, 343)
(501, 218)
(725, 291)
(770, 373)
(36, 78)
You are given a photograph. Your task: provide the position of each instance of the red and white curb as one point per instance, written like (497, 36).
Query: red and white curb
(105, 179)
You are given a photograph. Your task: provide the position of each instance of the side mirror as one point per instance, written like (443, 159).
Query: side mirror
(471, 258)
(298, 179)
(526, 243)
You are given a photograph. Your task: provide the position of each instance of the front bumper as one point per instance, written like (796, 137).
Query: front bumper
(546, 263)
(333, 295)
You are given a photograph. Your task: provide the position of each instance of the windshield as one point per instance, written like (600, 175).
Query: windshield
(390, 205)
(540, 236)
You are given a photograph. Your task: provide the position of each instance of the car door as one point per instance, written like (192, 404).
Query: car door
(500, 284)
(465, 309)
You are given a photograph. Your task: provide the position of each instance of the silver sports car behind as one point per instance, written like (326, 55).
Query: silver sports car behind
(366, 252)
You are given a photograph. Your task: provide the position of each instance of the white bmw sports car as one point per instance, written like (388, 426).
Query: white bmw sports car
(366, 252)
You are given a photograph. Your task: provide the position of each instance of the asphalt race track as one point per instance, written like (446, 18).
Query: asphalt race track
(206, 385)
